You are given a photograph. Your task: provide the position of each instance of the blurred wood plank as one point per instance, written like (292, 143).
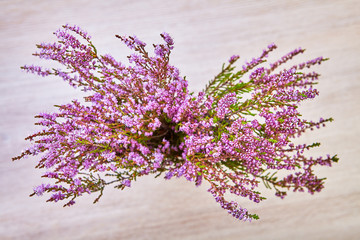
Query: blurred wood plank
(206, 34)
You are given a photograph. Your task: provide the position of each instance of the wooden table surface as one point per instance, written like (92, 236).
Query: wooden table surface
(206, 34)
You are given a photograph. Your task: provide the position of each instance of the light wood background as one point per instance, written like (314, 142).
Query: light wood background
(206, 33)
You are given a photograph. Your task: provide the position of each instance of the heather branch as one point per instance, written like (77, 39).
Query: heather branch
(141, 119)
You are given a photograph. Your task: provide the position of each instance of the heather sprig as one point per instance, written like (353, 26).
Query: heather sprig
(141, 119)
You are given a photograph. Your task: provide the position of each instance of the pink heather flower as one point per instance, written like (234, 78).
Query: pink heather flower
(57, 196)
(140, 118)
(138, 42)
(233, 58)
(160, 51)
(77, 181)
(158, 157)
(39, 190)
(167, 38)
(126, 182)
(224, 104)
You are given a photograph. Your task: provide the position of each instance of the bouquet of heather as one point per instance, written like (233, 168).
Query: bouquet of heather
(141, 119)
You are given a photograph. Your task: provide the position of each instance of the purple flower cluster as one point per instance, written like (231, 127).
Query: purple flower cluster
(141, 119)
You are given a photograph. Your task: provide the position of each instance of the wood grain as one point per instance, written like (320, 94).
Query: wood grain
(206, 33)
